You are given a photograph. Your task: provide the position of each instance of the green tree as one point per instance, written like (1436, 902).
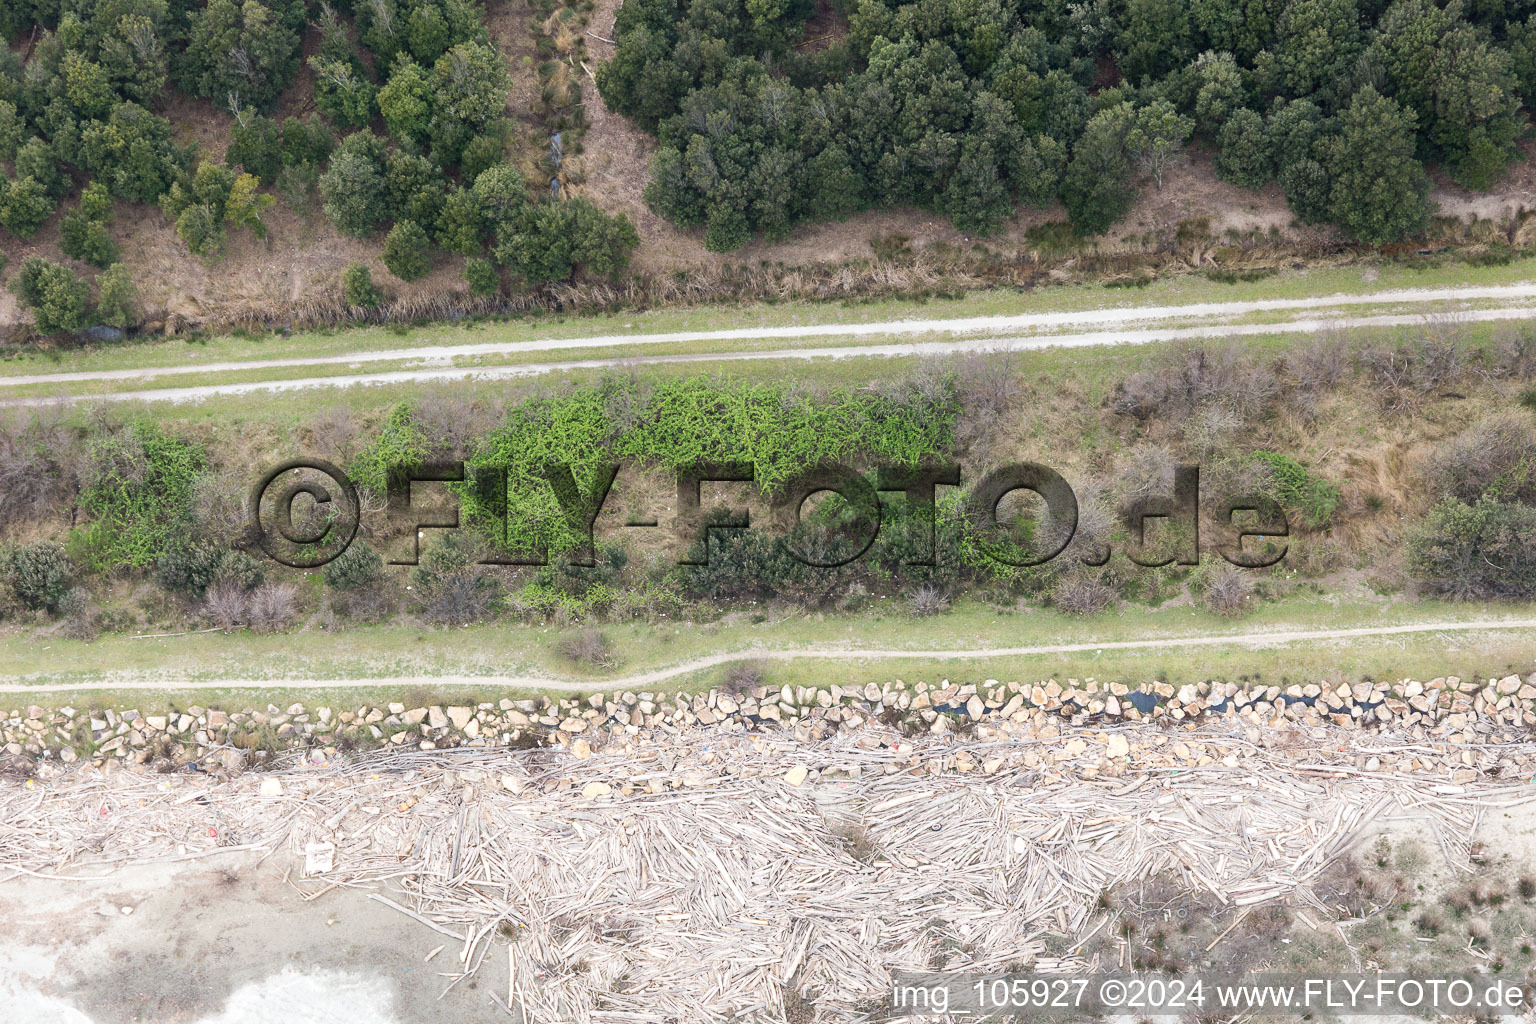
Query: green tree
(976, 198)
(357, 287)
(37, 160)
(238, 52)
(469, 91)
(415, 186)
(83, 233)
(1038, 171)
(256, 145)
(461, 225)
(24, 206)
(1155, 36)
(483, 276)
(1379, 191)
(132, 152)
(1157, 133)
(56, 295)
(343, 92)
(1220, 90)
(1098, 187)
(245, 205)
(1315, 42)
(1242, 154)
(407, 251)
(406, 101)
(13, 127)
(352, 188)
(117, 302)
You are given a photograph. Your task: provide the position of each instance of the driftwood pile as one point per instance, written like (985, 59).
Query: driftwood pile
(760, 872)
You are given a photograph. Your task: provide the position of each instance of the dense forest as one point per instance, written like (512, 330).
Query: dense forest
(410, 141)
(974, 107)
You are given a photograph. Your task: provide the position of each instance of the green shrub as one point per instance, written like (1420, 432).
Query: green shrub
(407, 251)
(1298, 490)
(482, 275)
(357, 568)
(357, 287)
(137, 489)
(40, 575)
(1476, 551)
(191, 567)
(689, 421)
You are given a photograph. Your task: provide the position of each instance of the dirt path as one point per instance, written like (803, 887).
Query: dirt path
(640, 680)
(922, 348)
(985, 325)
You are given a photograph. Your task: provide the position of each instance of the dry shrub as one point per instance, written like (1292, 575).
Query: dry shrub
(225, 604)
(1315, 369)
(1227, 590)
(1194, 375)
(219, 505)
(450, 424)
(273, 606)
(460, 597)
(1096, 523)
(743, 677)
(1320, 364)
(1081, 594)
(988, 388)
(1211, 432)
(1496, 456)
(590, 648)
(1513, 354)
(36, 469)
(1146, 472)
(334, 433)
(1401, 375)
(928, 600)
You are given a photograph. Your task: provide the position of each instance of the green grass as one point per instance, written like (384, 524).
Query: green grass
(1173, 290)
(281, 667)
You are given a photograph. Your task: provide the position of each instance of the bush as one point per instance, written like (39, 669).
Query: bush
(590, 648)
(137, 488)
(742, 678)
(40, 575)
(1223, 588)
(1476, 551)
(407, 251)
(226, 605)
(453, 589)
(194, 567)
(1297, 490)
(928, 600)
(1082, 594)
(273, 606)
(1497, 457)
(357, 568)
(357, 287)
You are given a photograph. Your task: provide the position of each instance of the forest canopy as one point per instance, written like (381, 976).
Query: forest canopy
(409, 145)
(973, 108)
